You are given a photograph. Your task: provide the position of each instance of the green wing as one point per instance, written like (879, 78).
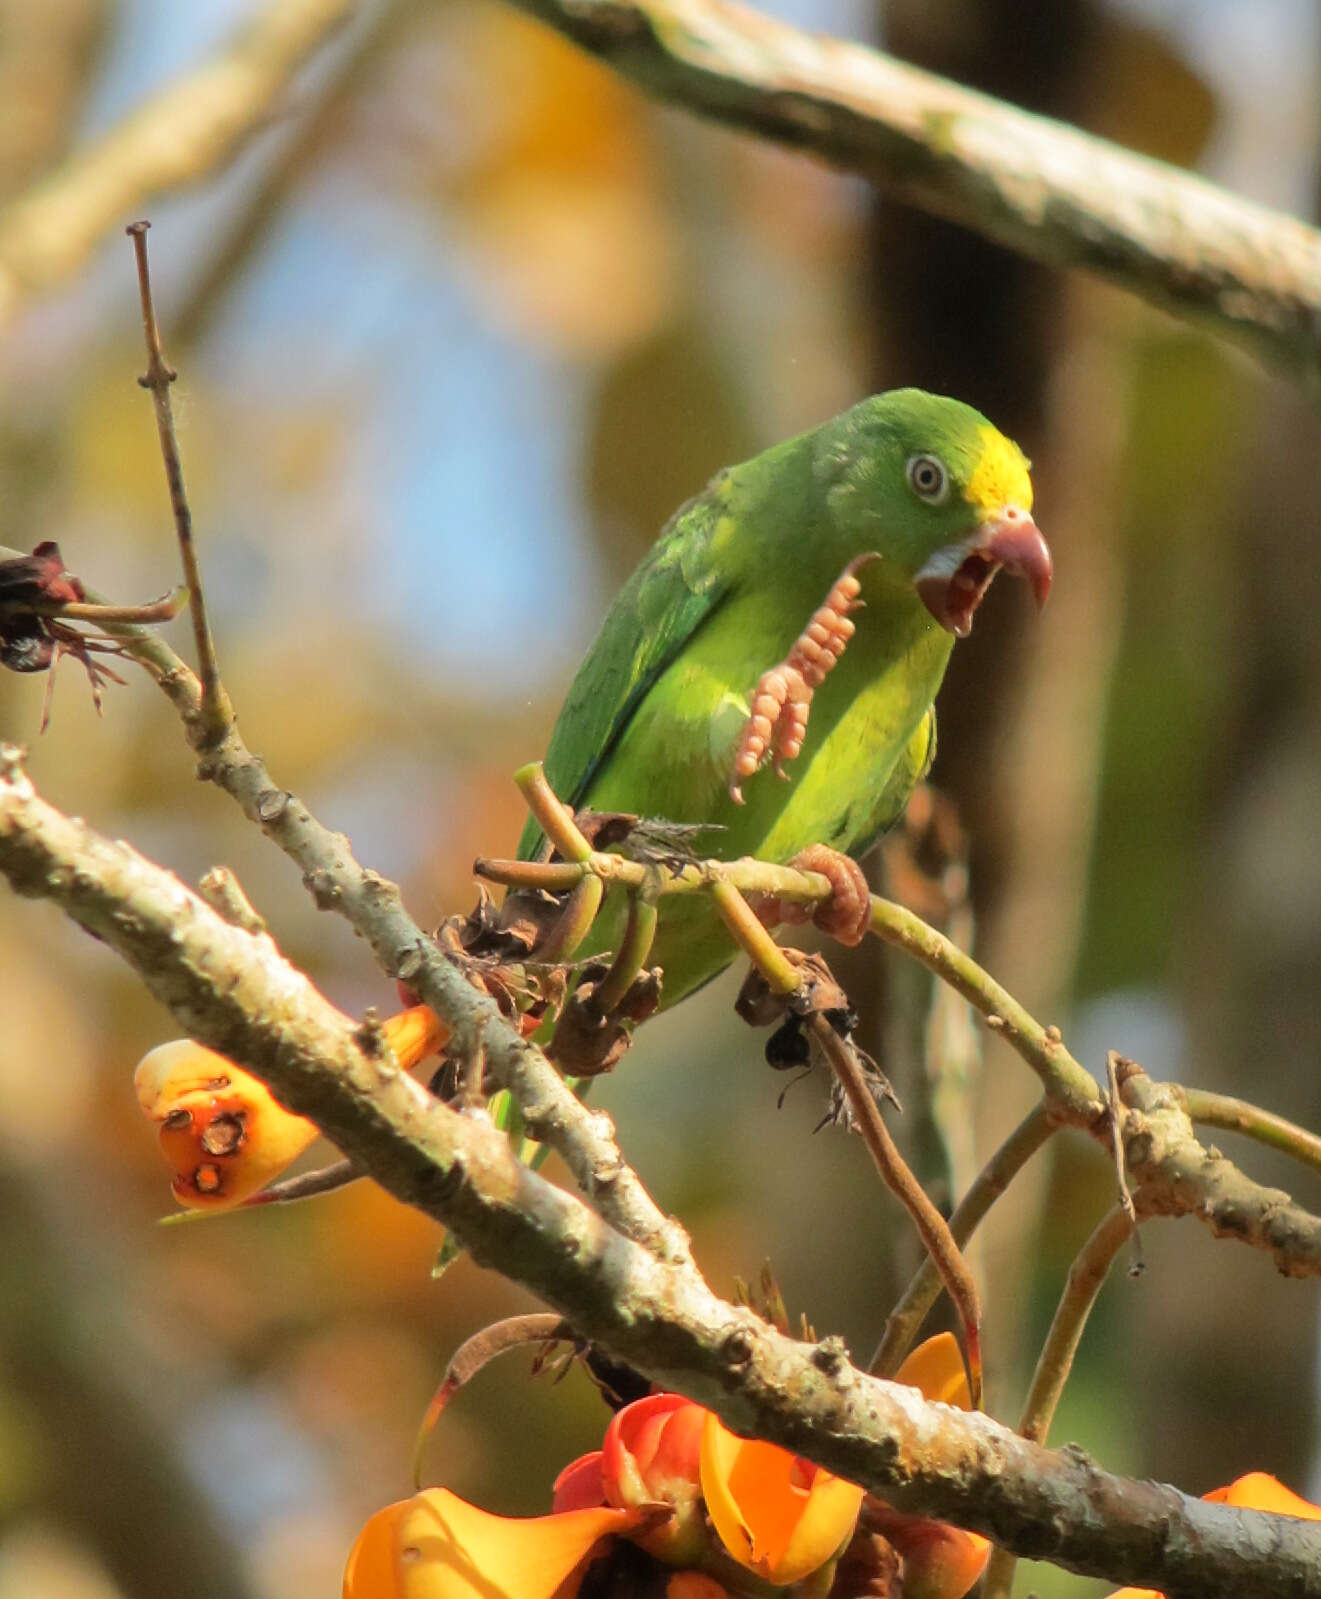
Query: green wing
(675, 590)
(910, 769)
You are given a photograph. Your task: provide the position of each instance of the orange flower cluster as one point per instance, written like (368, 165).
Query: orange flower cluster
(724, 1517)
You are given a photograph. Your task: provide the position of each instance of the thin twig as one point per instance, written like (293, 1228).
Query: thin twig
(634, 947)
(553, 816)
(306, 1185)
(163, 610)
(1088, 1272)
(932, 1228)
(756, 943)
(1070, 1085)
(224, 893)
(472, 1071)
(784, 978)
(217, 713)
(1113, 1061)
(748, 875)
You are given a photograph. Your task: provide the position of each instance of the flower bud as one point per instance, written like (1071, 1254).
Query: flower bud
(651, 1455)
(223, 1133)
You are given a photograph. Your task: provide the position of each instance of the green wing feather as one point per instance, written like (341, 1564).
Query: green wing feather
(910, 769)
(675, 590)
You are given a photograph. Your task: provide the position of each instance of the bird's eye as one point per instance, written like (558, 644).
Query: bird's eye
(928, 478)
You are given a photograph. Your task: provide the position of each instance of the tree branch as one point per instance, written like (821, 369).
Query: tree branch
(233, 990)
(176, 138)
(373, 907)
(1049, 191)
(1175, 1175)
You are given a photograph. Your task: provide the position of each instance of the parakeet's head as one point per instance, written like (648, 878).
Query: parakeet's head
(941, 492)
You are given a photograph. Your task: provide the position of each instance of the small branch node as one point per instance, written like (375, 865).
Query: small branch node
(223, 893)
(271, 805)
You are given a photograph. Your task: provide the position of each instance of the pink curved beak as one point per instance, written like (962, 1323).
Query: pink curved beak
(955, 579)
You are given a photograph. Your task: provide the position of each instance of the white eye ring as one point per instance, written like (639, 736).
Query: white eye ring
(927, 478)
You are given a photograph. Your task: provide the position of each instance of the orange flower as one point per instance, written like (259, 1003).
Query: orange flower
(437, 1546)
(222, 1132)
(669, 1472)
(651, 1455)
(777, 1514)
(1258, 1490)
(940, 1561)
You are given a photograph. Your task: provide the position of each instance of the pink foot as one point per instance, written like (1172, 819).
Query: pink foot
(846, 915)
(777, 723)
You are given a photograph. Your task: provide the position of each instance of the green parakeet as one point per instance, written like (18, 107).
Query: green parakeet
(733, 643)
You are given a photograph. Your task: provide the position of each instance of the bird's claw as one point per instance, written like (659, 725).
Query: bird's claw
(845, 916)
(781, 701)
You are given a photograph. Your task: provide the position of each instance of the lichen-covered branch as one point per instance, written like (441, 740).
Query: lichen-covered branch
(233, 990)
(373, 906)
(179, 136)
(1046, 190)
(1175, 1175)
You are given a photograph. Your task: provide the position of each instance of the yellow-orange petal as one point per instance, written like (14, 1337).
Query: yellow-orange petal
(437, 1546)
(936, 1367)
(222, 1132)
(776, 1514)
(414, 1034)
(1256, 1490)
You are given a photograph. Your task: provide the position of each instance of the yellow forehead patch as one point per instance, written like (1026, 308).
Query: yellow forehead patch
(1000, 476)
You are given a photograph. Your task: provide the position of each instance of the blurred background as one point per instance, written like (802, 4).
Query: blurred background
(456, 333)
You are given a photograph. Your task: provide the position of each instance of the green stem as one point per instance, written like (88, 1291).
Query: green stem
(553, 816)
(755, 942)
(1237, 1116)
(1068, 1083)
(575, 921)
(162, 610)
(749, 876)
(634, 947)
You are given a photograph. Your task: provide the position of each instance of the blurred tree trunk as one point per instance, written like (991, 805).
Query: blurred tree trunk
(1051, 359)
(1252, 964)
(957, 315)
(110, 1467)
